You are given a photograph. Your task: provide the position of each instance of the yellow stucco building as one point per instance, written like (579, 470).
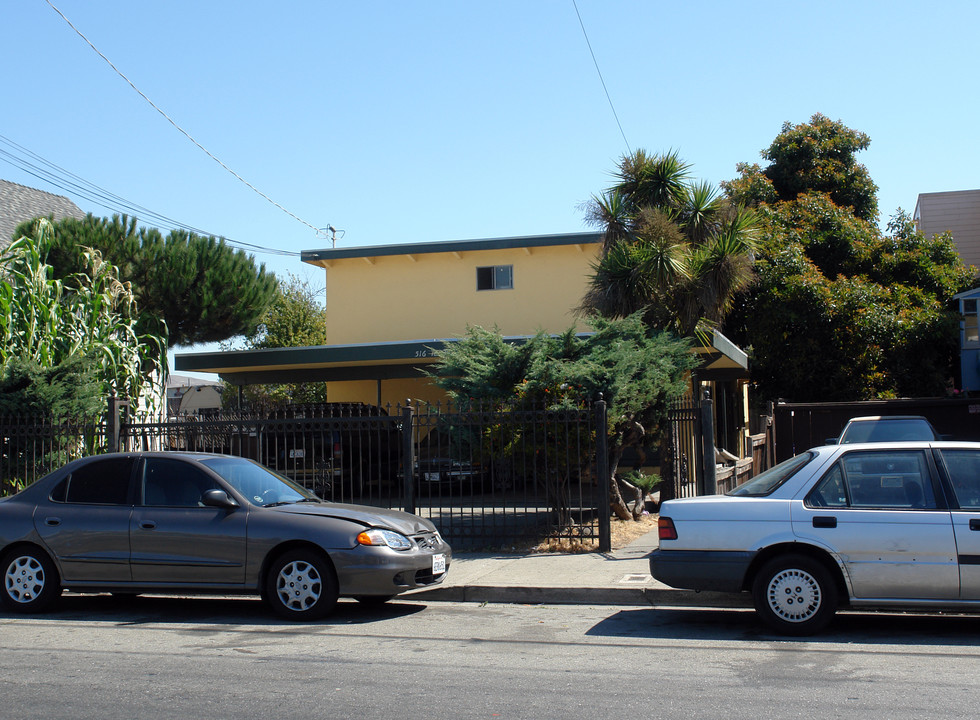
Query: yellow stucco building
(390, 306)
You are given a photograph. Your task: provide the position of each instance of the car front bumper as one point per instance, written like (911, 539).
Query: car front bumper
(381, 571)
(719, 570)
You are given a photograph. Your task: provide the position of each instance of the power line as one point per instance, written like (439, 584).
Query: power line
(604, 88)
(172, 122)
(68, 182)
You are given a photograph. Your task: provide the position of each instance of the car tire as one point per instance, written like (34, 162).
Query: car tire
(30, 581)
(795, 595)
(301, 585)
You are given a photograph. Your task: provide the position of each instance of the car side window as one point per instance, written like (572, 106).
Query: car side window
(895, 479)
(829, 492)
(964, 474)
(100, 482)
(174, 483)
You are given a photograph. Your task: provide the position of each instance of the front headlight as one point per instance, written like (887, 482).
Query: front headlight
(377, 536)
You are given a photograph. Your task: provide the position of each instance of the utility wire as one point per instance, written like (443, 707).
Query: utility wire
(36, 166)
(604, 88)
(179, 128)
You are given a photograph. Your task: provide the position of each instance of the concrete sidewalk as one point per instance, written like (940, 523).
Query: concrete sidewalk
(620, 577)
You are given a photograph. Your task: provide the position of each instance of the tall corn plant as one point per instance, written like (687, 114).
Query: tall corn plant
(52, 332)
(91, 314)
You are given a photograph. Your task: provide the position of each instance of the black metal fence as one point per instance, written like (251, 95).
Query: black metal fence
(487, 478)
(30, 447)
(680, 451)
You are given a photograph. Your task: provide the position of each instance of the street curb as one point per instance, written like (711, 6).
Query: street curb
(582, 596)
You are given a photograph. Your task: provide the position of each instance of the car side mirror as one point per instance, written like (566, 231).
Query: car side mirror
(219, 499)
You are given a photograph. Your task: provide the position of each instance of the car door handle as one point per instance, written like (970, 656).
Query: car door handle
(147, 525)
(975, 523)
(52, 521)
(824, 521)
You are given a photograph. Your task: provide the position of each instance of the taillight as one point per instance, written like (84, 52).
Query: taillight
(666, 528)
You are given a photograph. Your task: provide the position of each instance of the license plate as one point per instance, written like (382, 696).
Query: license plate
(438, 564)
(432, 477)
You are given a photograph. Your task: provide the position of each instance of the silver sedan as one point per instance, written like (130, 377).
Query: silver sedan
(202, 523)
(884, 525)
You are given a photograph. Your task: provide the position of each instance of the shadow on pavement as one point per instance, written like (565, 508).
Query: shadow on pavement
(206, 610)
(879, 628)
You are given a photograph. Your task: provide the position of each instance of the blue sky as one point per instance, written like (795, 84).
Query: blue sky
(428, 121)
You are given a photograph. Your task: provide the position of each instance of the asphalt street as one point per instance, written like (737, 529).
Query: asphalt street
(102, 657)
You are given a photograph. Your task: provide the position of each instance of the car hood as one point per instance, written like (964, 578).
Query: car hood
(403, 522)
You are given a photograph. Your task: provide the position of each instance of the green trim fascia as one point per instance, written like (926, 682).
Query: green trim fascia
(314, 355)
(451, 246)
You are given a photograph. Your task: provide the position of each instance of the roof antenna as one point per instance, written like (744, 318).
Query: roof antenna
(322, 233)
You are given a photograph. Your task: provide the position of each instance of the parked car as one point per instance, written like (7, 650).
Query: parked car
(338, 450)
(862, 525)
(887, 428)
(205, 523)
(433, 472)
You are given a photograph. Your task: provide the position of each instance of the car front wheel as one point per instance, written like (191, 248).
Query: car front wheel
(795, 595)
(30, 581)
(301, 586)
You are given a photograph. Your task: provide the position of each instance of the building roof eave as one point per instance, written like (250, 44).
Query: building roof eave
(369, 361)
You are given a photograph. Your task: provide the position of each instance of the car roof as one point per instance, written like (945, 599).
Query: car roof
(185, 454)
(898, 444)
(879, 418)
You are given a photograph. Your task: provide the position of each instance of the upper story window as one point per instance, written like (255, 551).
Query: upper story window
(495, 277)
(971, 329)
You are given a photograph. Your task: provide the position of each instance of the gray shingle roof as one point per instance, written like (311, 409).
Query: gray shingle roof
(19, 203)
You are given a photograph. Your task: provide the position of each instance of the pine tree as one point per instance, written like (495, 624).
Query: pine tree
(188, 288)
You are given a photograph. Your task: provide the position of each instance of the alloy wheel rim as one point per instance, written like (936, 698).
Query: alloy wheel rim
(298, 585)
(24, 579)
(794, 595)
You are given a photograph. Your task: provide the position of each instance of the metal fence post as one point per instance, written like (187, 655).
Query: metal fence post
(602, 470)
(408, 458)
(709, 483)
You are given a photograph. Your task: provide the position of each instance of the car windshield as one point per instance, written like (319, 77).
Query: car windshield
(257, 483)
(887, 430)
(766, 482)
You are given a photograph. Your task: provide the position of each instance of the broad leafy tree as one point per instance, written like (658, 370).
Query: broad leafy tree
(295, 318)
(841, 310)
(819, 156)
(675, 250)
(189, 289)
(636, 371)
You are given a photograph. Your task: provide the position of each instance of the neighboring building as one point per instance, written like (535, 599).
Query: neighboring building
(19, 204)
(958, 212)
(969, 339)
(390, 306)
(189, 396)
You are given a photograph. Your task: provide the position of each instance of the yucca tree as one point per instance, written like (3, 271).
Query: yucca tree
(674, 249)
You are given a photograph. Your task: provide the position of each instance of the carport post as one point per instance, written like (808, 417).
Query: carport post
(709, 480)
(603, 473)
(408, 458)
(113, 422)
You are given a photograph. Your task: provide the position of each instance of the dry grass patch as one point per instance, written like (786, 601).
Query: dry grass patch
(622, 533)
